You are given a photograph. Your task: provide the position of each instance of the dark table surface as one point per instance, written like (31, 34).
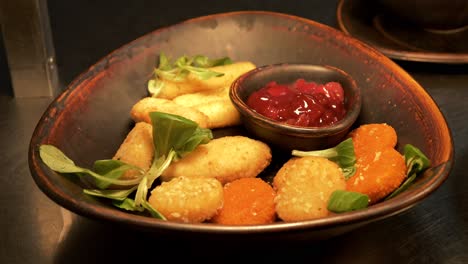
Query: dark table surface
(34, 229)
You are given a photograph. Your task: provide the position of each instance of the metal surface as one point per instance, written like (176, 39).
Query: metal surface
(29, 47)
(35, 230)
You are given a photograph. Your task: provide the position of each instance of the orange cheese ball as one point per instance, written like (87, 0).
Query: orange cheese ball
(380, 169)
(247, 201)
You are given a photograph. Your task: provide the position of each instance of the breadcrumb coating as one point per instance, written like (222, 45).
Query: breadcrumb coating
(226, 159)
(188, 200)
(137, 149)
(303, 187)
(140, 111)
(247, 201)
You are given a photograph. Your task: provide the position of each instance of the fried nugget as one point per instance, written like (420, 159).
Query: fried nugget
(192, 84)
(303, 187)
(373, 137)
(380, 169)
(378, 175)
(247, 201)
(140, 111)
(215, 104)
(137, 149)
(226, 159)
(188, 200)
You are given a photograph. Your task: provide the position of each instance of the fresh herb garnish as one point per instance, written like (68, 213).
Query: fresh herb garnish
(342, 154)
(183, 66)
(173, 137)
(109, 170)
(345, 201)
(416, 162)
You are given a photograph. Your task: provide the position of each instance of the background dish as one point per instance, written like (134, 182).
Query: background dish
(90, 119)
(366, 21)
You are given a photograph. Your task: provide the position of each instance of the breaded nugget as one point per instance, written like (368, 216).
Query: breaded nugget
(380, 169)
(226, 159)
(193, 84)
(188, 200)
(373, 137)
(303, 187)
(193, 99)
(215, 104)
(137, 149)
(247, 201)
(378, 175)
(220, 113)
(140, 111)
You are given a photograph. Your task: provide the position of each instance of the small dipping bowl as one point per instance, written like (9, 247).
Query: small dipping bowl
(289, 137)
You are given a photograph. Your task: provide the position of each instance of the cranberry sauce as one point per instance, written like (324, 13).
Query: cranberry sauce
(302, 103)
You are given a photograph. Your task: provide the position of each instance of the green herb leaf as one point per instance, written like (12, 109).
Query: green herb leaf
(127, 204)
(177, 133)
(416, 162)
(111, 169)
(205, 62)
(59, 162)
(111, 194)
(154, 213)
(345, 201)
(343, 154)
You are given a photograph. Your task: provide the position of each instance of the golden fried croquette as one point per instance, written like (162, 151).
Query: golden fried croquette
(192, 84)
(303, 187)
(378, 175)
(215, 104)
(247, 201)
(137, 149)
(220, 113)
(140, 111)
(188, 200)
(198, 98)
(226, 159)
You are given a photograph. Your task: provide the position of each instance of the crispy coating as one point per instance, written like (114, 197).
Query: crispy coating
(215, 104)
(192, 84)
(380, 169)
(247, 201)
(226, 159)
(373, 137)
(140, 111)
(304, 185)
(198, 98)
(137, 149)
(378, 175)
(220, 113)
(188, 200)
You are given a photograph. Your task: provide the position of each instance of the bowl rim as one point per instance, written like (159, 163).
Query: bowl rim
(299, 131)
(99, 211)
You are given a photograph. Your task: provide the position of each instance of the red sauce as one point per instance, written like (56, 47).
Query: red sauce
(301, 103)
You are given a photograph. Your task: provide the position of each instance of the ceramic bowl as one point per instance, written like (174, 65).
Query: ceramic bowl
(289, 137)
(91, 118)
(435, 15)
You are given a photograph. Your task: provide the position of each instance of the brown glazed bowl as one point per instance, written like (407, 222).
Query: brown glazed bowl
(429, 14)
(288, 137)
(91, 118)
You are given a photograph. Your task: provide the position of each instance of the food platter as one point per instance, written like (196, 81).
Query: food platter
(90, 119)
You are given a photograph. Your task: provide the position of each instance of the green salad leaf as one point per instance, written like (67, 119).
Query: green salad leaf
(416, 162)
(345, 201)
(107, 174)
(342, 154)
